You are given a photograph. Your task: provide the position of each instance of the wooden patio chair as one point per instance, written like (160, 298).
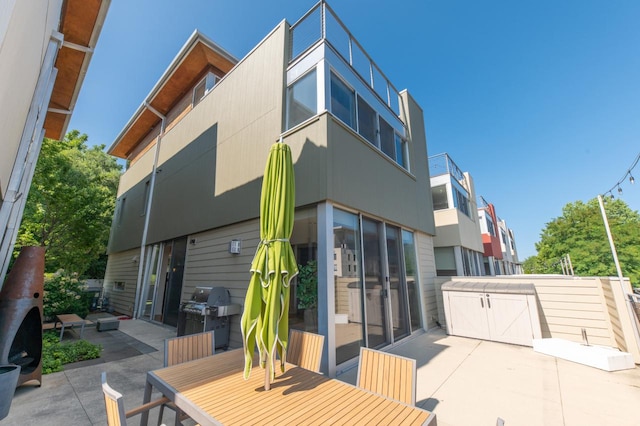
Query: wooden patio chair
(389, 375)
(187, 348)
(305, 349)
(116, 416)
(183, 349)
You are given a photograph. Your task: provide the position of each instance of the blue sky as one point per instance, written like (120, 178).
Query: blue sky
(538, 100)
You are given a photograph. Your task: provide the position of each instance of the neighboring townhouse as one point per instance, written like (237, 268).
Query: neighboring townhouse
(509, 265)
(458, 243)
(187, 212)
(490, 238)
(45, 50)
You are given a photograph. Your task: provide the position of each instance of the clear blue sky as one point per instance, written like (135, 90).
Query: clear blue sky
(538, 100)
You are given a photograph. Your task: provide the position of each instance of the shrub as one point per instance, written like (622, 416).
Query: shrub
(64, 294)
(56, 354)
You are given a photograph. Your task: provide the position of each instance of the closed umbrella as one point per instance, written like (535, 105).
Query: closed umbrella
(265, 320)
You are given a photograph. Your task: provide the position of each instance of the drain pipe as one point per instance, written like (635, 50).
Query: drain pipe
(143, 244)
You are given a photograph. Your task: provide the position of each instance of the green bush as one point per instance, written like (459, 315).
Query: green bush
(64, 294)
(55, 354)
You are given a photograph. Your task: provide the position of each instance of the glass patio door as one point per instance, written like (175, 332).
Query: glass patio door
(375, 283)
(397, 284)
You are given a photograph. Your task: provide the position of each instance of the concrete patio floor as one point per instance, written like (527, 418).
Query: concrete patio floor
(464, 381)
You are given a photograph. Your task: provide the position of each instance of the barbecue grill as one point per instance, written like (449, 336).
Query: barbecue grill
(208, 309)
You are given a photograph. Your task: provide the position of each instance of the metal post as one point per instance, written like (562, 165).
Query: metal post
(570, 264)
(620, 277)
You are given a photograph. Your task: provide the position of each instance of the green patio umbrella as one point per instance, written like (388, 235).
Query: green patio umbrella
(265, 320)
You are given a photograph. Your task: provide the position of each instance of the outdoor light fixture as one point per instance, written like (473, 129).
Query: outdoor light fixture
(619, 190)
(631, 179)
(192, 241)
(235, 246)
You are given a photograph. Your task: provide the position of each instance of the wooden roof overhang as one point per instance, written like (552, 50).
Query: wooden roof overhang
(80, 23)
(197, 55)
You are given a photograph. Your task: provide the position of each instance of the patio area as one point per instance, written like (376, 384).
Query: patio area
(464, 381)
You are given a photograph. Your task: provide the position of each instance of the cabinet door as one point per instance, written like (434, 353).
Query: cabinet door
(468, 314)
(508, 317)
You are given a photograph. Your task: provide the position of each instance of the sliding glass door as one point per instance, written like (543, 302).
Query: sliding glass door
(374, 279)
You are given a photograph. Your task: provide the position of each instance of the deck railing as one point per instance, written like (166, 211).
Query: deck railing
(321, 23)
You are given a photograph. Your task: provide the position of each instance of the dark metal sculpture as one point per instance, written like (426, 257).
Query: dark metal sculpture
(21, 315)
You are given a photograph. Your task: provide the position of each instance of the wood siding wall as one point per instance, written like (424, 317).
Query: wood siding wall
(427, 268)
(121, 267)
(209, 264)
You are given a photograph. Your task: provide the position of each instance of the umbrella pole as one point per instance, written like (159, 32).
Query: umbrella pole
(267, 375)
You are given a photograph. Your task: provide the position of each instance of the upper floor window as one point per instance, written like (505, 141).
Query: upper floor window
(302, 99)
(439, 196)
(343, 103)
(490, 227)
(366, 121)
(202, 88)
(461, 201)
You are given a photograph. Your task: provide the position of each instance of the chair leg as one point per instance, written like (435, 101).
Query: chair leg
(160, 415)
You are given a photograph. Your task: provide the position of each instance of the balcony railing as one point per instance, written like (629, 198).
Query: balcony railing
(442, 164)
(321, 23)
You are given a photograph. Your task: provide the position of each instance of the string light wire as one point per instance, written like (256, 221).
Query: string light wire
(623, 178)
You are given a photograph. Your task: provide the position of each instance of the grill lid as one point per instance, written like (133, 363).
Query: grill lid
(218, 296)
(200, 294)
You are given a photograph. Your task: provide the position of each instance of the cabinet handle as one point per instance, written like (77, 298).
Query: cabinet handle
(488, 301)
(481, 302)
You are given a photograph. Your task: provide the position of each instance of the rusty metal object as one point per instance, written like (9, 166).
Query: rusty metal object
(21, 315)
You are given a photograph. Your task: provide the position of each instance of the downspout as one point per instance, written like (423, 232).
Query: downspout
(145, 230)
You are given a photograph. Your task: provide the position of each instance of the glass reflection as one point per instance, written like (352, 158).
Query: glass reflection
(348, 285)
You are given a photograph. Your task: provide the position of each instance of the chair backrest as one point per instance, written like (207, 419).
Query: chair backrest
(114, 404)
(187, 348)
(305, 349)
(389, 375)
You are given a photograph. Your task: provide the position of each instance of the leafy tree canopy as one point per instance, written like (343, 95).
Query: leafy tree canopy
(70, 205)
(580, 233)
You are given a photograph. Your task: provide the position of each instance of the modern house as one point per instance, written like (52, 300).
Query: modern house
(458, 243)
(45, 50)
(187, 212)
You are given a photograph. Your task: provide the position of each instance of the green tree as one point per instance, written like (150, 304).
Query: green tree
(70, 205)
(580, 232)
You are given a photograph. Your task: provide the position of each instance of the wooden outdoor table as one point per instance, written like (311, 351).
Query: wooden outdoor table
(69, 320)
(212, 391)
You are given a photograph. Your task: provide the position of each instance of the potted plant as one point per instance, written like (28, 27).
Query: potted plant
(307, 294)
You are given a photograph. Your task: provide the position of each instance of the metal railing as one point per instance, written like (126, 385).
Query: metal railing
(321, 23)
(442, 164)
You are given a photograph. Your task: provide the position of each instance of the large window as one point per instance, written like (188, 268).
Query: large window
(343, 101)
(439, 196)
(362, 116)
(387, 136)
(302, 99)
(461, 200)
(366, 121)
